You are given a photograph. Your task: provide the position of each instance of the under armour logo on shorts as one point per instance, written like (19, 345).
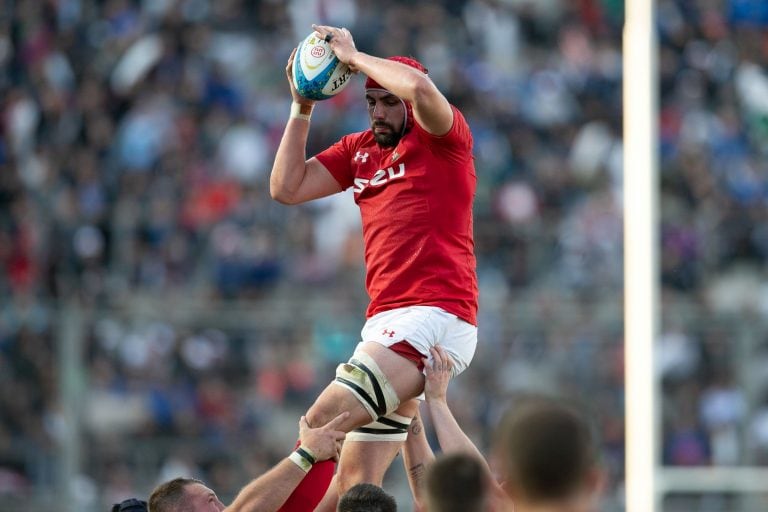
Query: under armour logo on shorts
(389, 333)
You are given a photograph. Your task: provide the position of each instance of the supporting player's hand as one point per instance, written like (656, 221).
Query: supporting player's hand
(438, 373)
(341, 43)
(324, 442)
(297, 98)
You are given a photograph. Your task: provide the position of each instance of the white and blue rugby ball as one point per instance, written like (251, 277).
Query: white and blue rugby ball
(317, 73)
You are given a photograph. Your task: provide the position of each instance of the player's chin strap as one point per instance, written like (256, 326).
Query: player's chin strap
(363, 377)
(405, 116)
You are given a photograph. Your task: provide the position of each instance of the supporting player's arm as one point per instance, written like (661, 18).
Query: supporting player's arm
(417, 456)
(451, 437)
(295, 179)
(268, 492)
(449, 434)
(430, 108)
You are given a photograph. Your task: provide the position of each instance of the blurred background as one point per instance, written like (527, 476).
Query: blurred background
(161, 315)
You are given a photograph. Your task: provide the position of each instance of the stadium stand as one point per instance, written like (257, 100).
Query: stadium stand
(135, 144)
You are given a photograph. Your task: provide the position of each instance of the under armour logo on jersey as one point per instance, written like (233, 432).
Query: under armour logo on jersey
(363, 157)
(389, 333)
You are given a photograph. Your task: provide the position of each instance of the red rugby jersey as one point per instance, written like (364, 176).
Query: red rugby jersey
(416, 204)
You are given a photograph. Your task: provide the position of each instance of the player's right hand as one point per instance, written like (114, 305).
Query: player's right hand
(324, 442)
(437, 373)
(297, 98)
(342, 44)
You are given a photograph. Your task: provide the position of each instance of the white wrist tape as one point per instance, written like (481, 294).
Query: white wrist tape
(300, 111)
(303, 457)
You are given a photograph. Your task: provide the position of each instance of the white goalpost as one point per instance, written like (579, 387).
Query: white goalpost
(640, 254)
(647, 481)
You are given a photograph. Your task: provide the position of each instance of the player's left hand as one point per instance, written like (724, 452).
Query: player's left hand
(324, 442)
(438, 373)
(297, 98)
(341, 42)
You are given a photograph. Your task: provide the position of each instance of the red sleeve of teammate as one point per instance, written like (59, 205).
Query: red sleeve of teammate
(337, 160)
(457, 143)
(311, 489)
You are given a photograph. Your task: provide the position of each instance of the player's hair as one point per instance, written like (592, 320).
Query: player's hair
(456, 483)
(366, 498)
(546, 450)
(130, 505)
(169, 496)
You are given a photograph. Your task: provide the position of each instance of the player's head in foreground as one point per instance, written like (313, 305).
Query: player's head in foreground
(547, 455)
(130, 505)
(184, 495)
(391, 117)
(457, 483)
(366, 498)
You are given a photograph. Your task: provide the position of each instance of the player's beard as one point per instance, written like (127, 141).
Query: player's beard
(388, 139)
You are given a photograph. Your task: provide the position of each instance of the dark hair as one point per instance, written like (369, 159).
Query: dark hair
(366, 498)
(546, 449)
(456, 483)
(169, 496)
(130, 505)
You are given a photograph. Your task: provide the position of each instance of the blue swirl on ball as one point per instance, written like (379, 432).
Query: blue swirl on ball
(313, 89)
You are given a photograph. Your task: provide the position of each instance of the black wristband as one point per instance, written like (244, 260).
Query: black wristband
(304, 453)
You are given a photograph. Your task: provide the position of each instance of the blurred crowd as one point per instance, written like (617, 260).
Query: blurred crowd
(136, 140)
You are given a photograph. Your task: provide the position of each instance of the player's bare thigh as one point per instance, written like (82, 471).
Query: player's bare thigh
(405, 377)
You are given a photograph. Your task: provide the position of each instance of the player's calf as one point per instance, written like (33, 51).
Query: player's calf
(368, 451)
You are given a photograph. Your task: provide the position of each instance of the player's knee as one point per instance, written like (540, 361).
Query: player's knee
(326, 407)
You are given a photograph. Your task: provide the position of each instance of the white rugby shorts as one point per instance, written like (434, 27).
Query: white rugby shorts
(424, 327)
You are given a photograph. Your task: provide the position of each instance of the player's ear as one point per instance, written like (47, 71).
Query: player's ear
(596, 481)
(505, 485)
(506, 495)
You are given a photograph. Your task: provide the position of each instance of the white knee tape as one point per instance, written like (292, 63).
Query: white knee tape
(391, 427)
(363, 377)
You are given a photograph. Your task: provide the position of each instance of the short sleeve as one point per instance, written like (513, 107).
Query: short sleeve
(337, 160)
(457, 142)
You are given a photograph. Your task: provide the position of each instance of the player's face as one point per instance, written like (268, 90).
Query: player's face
(202, 499)
(387, 114)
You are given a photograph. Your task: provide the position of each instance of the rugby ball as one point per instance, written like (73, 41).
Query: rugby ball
(317, 73)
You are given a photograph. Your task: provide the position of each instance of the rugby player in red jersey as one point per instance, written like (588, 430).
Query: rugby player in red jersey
(413, 179)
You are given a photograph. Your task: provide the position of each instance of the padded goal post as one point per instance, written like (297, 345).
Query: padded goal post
(641, 276)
